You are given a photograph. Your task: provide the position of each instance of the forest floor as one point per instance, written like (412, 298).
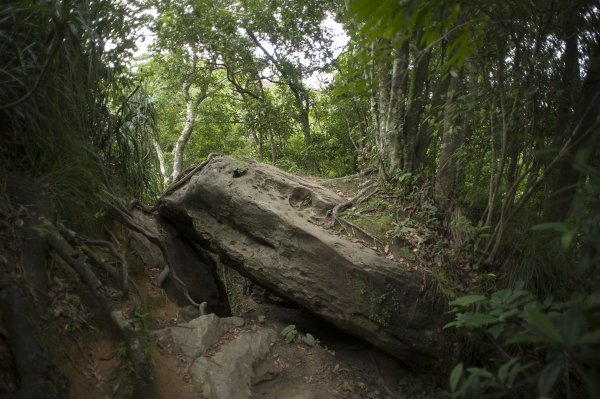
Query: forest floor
(81, 343)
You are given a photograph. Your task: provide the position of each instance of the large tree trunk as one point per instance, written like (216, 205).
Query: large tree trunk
(268, 225)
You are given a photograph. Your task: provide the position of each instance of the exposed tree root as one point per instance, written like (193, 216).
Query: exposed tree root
(135, 350)
(126, 220)
(122, 279)
(350, 227)
(35, 370)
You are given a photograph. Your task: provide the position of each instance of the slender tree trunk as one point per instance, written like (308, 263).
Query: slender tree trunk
(161, 161)
(414, 105)
(258, 142)
(188, 128)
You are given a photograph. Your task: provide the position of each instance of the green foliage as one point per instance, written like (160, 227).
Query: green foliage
(289, 333)
(309, 340)
(121, 351)
(541, 341)
(441, 19)
(66, 106)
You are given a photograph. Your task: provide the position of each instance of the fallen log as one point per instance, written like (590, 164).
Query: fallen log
(265, 223)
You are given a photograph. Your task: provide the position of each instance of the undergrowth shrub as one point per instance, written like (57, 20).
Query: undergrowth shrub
(540, 347)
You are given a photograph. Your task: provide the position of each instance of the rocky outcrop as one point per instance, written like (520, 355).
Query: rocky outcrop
(224, 358)
(266, 224)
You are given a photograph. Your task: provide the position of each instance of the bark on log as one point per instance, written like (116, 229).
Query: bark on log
(262, 221)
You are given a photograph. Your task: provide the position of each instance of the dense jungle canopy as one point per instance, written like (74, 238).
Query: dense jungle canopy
(480, 118)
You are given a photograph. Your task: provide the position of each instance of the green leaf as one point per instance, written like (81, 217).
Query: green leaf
(571, 324)
(455, 376)
(527, 338)
(514, 372)
(496, 330)
(548, 376)
(509, 313)
(568, 236)
(288, 329)
(467, 300)
(503, 370)
(542, 323)
(309, 340)
(289, 333)
(479, 372)
(557, 226)
(452, 324)
(476, 319)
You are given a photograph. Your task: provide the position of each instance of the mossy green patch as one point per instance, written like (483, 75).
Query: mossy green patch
(382, 301)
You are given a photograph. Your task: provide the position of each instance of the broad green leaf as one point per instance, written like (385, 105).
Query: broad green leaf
(455, 376)
(548, 376)
(542, 323)
(476, 319)
(496, 330)
(467, 300)
(503, 370)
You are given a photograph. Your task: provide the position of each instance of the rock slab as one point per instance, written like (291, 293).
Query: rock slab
(265, 223)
